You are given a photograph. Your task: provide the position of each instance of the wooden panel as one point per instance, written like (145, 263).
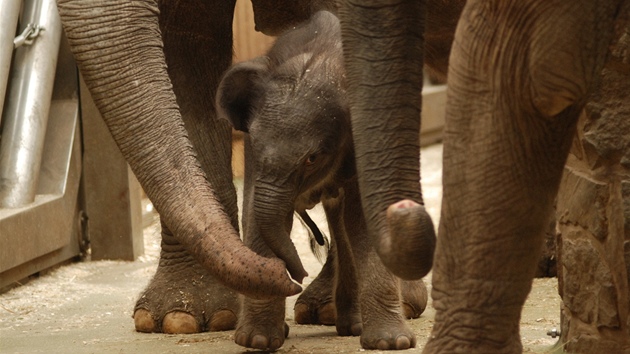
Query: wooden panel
(112, 194)
(248, 43)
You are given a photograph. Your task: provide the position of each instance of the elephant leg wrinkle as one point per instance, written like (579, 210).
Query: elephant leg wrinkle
(183, 297)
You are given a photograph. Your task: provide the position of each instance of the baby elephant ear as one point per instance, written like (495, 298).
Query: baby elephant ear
(240, 90)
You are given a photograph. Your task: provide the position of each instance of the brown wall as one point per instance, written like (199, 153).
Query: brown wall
(248, 43)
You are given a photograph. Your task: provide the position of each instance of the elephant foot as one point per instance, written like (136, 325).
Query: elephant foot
(311, 309)
(407, 249)
(414, 298)
(264, 338)
(316, 305)
(391, 337)
(349, 325)
(261, 324)
(315, 312)
(453, 344)
(183, 298)
(384, 327)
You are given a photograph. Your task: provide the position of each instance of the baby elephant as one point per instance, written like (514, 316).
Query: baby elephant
(292, 105)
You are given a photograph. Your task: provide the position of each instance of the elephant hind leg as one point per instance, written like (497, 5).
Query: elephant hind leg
(316, 304)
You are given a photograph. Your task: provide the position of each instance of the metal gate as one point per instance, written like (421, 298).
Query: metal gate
(64, 188)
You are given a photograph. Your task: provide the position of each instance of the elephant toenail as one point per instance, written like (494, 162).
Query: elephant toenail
(403, 342)
(327, 314)
(223, 320)
(260, 342)
(302, 314)
(178, 322)
(275, 344)
(144, 321)
(241, 339)
(356, 329)
(382, 345)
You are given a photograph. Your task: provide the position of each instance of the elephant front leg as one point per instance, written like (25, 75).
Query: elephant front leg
(183, 297)
(509, 126)
(383, 322)
(384, 325)
(261, 324)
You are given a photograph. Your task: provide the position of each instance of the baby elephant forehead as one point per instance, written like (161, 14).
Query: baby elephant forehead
(303, 104)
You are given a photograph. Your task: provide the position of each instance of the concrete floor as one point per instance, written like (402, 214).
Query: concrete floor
(86, 307)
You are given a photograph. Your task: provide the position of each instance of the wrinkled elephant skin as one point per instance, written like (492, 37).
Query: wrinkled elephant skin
(519, 75)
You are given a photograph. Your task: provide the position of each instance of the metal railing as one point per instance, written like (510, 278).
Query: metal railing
(28, 81)
(64, 186)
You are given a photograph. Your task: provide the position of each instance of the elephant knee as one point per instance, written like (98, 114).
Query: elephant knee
(552, 94)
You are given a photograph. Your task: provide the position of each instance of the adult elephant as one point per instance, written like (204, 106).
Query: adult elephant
(520, 73)
(153, 68)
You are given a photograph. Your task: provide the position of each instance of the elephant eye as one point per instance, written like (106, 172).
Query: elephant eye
(310, 161)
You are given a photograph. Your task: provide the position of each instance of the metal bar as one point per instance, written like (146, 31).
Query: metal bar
(26, 112)
(8, 26)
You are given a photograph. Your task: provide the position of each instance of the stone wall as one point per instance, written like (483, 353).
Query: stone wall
(593, 214)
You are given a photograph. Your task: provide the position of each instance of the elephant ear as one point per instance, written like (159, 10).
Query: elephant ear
(240, 90)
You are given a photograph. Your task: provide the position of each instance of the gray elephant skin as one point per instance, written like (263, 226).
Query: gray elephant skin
(292, 106)
(520, 72)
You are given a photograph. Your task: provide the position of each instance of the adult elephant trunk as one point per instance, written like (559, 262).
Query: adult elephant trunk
(118, 47)
(273, 210)
(385, 109)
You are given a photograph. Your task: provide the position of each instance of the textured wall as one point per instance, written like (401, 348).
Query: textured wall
(593, 213)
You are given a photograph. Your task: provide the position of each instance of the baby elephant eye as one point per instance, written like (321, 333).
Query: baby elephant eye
(311, 160)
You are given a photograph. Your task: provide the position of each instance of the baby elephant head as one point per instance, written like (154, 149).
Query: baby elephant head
(292, 106)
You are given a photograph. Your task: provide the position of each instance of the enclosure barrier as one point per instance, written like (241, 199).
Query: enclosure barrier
(8, 23)
(28, 103)
(65, 189)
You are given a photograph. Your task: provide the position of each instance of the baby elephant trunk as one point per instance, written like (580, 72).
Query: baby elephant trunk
(273, 210)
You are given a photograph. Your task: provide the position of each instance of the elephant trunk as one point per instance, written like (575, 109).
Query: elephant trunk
(273, 210)
(118, 48)
(385, 110)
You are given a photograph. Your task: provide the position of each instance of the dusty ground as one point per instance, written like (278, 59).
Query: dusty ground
(87, 307)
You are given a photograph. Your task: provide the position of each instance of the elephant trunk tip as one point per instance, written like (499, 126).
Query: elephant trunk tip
(251, 282)
(407, 247)
(296, 270)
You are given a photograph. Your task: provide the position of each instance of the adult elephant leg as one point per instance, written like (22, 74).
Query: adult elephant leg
(518, 79)
(261, 322)
(183, 297)
(383, 58)
(118, 47)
